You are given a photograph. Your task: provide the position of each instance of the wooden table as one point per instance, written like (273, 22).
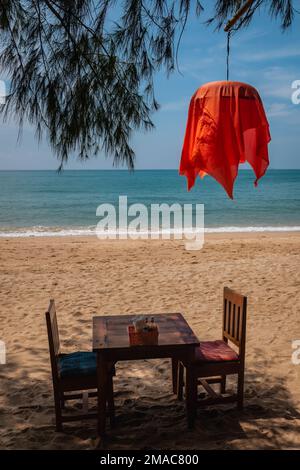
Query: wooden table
(176, 340)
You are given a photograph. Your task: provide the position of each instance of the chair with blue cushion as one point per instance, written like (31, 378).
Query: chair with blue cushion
(73, 372)
(215, 360)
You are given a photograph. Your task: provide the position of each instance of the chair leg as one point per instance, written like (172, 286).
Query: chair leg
(110, 400)
(223, 384)
(62, 401)
(58, 416)
(240, 391)
(180, 372)
(191, 396)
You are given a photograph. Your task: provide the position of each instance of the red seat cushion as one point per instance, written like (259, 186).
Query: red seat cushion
(215, 351)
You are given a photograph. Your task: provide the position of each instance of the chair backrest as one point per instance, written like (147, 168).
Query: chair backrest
(234, 319)
(53, 338)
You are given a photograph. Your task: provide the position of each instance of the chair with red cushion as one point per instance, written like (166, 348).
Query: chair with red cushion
(214, 360)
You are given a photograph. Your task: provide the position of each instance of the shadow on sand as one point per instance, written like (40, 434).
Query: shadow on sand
(148, 414)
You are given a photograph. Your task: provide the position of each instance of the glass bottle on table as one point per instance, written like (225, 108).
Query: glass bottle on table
(153, 325)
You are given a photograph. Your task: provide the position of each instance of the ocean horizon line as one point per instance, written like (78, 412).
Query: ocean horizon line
(125, 169)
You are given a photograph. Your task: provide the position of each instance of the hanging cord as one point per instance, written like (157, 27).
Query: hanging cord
(228, 54)
(247, 11)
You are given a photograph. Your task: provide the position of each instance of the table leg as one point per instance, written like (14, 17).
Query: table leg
(110, 399)
(102, 393)
(174, 374)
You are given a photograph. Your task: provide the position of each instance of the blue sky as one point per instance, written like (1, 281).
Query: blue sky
(261, 55)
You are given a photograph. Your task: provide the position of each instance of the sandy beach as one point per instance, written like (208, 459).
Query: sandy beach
(86, 277)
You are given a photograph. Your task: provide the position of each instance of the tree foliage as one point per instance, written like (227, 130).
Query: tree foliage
(82, 71)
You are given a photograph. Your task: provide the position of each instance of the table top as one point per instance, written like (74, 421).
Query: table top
(110, 333)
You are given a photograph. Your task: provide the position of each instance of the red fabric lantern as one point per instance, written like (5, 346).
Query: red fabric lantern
(227, 125)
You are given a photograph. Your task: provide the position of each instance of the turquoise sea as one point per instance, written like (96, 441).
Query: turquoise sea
(38, 203)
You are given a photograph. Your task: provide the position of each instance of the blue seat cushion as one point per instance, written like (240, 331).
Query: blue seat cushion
(77, 363)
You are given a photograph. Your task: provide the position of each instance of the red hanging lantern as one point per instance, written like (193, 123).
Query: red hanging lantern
(226, 126)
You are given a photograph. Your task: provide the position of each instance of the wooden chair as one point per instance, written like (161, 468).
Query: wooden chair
(216, 359)
(73, 372)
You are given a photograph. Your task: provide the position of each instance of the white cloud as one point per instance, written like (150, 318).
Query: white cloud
(276, 82)
(278, 110)
(277, 90)
(245, 35)
(198, 66)
(271, 54)
(176, 105)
